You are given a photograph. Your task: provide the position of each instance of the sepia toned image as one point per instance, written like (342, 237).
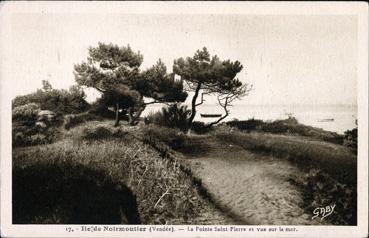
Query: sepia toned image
(232, 120)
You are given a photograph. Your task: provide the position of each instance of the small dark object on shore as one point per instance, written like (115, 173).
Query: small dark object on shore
(210, 115)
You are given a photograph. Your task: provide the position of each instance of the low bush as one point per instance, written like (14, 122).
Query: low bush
(100, 110)
(350, 139)
(200, 127)
(282, 126)
(26, 115)
(288, 126)
(174, 116)
(247, 125)
(73, 120)
(174, 138)
(320, 189)
(28, 129)
(62, 101)
(97, 131)
(20, 139)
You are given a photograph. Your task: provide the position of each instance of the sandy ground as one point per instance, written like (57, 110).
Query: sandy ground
(252, 187)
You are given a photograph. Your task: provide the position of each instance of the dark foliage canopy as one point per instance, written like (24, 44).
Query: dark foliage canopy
(209, 75)
(60, 101)
(214, 75)
(115, 72)
(111, 69)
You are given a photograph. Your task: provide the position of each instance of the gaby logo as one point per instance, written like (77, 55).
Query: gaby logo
(323, 212)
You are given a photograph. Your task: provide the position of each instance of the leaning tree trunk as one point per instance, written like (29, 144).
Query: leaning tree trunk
(225, 105)
(217, 121)
(117, 115)
(134, 116)
(193, 105)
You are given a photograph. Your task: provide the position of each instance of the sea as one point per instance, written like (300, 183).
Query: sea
(335, 118)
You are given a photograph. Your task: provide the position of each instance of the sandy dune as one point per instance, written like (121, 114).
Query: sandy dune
(253, 187)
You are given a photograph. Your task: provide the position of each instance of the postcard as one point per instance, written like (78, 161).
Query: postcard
(184, 119)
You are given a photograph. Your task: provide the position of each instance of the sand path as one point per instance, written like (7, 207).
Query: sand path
(252, 187)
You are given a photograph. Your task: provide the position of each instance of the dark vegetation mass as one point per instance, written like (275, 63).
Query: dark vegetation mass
(78, 163)
(69, 193)
(58, 100)
(105, 175)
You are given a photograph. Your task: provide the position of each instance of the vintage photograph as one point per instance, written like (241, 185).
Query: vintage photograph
(183, 119)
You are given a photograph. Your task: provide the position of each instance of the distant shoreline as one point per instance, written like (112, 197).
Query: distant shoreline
(335, 118)
(273, 105)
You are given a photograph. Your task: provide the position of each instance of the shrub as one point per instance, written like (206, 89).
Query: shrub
(200, 127)
(32, 136)
(172, 137)
(247, 125)
(225, 129)
(97, 133)
(62, 101)
(26, 114)
(350, 138)
(23, 125)
(20, 138)
(288, 126)
(100, 132)
(320, 189)
(174, 116)
(28, 128)
(73, 120)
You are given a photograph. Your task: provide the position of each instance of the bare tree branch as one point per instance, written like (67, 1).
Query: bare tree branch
(224, 105)
(202, 100)
(225, 100)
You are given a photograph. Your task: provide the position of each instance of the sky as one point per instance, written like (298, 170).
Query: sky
(289, 59)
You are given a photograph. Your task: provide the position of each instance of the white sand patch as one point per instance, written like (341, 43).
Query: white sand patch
(254, 187)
